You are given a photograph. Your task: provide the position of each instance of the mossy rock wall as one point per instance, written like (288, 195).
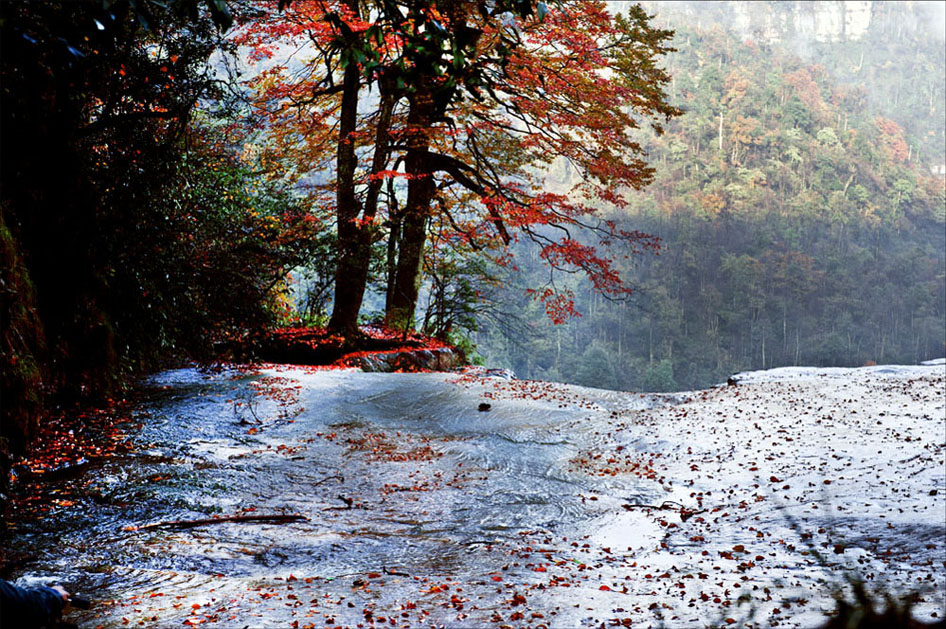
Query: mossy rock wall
(23, 348)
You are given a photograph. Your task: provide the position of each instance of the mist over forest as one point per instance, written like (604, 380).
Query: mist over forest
(799, 199)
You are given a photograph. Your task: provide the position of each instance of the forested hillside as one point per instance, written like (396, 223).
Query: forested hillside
(800, 224)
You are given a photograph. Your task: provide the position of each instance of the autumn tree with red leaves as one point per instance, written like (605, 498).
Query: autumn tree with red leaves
(460, 108)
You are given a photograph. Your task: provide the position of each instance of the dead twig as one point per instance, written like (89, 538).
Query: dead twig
(668, 505)
(349, 503)
(187, 524)
(337, 477)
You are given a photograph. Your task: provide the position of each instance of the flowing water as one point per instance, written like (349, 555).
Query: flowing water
(415, 500)
(420, 509)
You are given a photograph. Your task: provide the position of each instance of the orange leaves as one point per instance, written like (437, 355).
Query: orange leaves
(67, 443)
(272, 28)
(559, 305)
(892, 139)
(390, 174)
(380, 447)
(570, 253)
(641, 465)
(806, 88)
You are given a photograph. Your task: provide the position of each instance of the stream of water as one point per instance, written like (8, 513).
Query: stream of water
(402, 479)
(438, 499)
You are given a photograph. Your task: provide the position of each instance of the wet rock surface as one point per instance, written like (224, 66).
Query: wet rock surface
(561, 506)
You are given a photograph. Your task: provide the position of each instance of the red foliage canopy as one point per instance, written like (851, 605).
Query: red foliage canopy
(526, 95)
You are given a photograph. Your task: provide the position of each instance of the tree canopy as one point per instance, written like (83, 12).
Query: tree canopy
(423, 109)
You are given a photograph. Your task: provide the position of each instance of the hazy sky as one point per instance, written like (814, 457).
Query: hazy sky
(934, 10)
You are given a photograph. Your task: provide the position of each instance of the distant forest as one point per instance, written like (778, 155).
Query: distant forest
(800, 219)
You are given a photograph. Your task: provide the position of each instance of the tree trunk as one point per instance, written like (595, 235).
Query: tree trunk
(420, 194)
(348, 292)
(720, 130)
(394, 236)
(797, 347)
(847, 185)
(354, 239)
(763, 347)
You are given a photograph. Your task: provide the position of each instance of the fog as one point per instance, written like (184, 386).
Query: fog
(815, 236)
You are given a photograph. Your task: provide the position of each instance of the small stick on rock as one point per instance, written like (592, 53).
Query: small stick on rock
(349, 503)
(187, 524)
(685, 513)
(337, 477)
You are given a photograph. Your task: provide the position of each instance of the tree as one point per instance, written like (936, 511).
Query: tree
(481, 96)
(549, 101)
(94, 105)
(659, 377)
(319, 111)
(595, 369)
(350, 46)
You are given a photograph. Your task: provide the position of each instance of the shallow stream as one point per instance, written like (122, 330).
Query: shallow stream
(473, 500)
(416, 501)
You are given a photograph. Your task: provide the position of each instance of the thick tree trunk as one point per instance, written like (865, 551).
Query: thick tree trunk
(420, 194)
(410, 260)
(348, 293)
(428, 104)
(355, 235)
